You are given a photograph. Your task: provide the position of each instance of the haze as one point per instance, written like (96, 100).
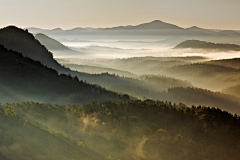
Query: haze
(149, 80)
(214, 14)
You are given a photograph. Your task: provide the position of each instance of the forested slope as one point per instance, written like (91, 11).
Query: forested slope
(23, 79)
(209, 76)
(119, 130)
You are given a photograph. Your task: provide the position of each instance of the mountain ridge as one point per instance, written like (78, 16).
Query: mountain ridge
(152, 28)
(196, 44)
(22, 41)
(23, 79)
(50, 43)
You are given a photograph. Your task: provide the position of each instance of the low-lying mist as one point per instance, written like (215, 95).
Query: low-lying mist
(91, 47)
(116, 130)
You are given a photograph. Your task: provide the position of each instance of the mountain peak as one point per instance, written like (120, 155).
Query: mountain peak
(157, 24)
(57, 29)
(22, 41)
(156, 21)
(194, 27)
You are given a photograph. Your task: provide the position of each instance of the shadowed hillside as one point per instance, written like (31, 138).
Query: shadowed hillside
(98, 70)
(29, 47)
(189, 96)
(23, 42)
(50, 43)
(23, 79)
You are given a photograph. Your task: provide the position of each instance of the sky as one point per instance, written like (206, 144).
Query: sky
(68, 14)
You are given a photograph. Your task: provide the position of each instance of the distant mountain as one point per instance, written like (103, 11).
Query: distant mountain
(98, 70)
(57, 48)
(228, 33)
(214, 77)
(75, 29)
(44, 31)
(199, 31)
(152, 25)
(196, 44)
(23, 79)
(153, 28)
(23, 42)
(50, 43)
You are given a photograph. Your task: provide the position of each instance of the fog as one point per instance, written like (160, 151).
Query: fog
(157, 59)
(109, 48)
(124, 98)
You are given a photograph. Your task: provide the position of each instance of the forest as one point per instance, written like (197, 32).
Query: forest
(132, 108)
(117, 130)
(23, 79)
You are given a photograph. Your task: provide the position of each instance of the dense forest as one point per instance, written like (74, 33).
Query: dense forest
(21, 41)
(117, 130)
(189, 96)
(139, 108)
(23, 79)
(215, 77)
(98, 70)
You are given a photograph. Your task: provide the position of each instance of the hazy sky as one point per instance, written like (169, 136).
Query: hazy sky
(66, 14)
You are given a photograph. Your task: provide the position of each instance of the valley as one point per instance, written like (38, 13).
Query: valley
(151, 91)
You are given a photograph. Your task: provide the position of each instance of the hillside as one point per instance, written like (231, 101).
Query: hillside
(228, 33)
(50, 43)
(189, 96)
(23, 79)
(117, 130)
(196, 44)
(98, 70)
(209, 76)
(233, 90)
(56, 47)
(233, 62)
(157, 24)
(23, 42)
(28, 46)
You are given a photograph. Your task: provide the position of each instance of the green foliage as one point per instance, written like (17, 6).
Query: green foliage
(9, 112)
(110, 157)
(162, 130)
(80, 144)
(128, 130)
